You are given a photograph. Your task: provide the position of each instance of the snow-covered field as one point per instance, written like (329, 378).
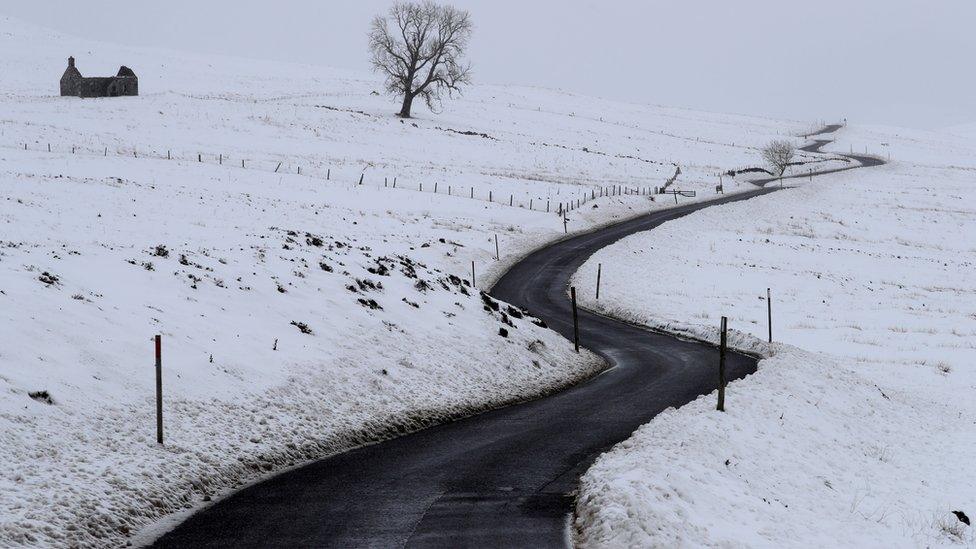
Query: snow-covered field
(860, 425)
(301, 313)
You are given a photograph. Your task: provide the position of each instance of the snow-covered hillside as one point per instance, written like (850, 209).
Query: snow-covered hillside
(856, 428)
(301, 313)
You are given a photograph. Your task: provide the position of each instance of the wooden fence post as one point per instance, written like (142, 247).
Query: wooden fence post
(497, 256)
(599, 268)
(769, 313)
(572, 291)
(361, 176)
(721, 366)
(159, 388)
(472, 275)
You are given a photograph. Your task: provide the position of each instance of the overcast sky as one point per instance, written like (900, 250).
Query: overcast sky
(898, 62)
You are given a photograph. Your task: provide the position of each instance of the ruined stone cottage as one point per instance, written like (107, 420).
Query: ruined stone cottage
(75, 85)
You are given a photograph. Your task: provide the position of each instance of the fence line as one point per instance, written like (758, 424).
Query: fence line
(571, 203)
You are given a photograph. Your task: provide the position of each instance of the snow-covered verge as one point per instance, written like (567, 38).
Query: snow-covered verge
(301, 313)
(859, 439)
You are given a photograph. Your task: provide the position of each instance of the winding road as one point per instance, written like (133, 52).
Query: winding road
(499, 479)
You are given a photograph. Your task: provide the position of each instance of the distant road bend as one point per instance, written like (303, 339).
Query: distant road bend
(504, 478)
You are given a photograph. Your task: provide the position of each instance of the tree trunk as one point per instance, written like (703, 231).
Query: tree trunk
(407, 103)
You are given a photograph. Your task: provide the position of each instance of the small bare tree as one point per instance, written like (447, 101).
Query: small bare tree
(418, 47)
(779, 154)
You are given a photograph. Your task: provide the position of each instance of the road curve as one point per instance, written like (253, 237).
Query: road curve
(859, 161)
(499, 479)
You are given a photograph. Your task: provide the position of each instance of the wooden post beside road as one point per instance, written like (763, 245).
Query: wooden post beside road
(472, 275)
(497, 256)
(721, 366)
(572, 291)
(769, 313)
(599, 268)
(159, 388)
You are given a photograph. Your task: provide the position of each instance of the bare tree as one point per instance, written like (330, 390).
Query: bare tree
(779, 154)
(418, 47)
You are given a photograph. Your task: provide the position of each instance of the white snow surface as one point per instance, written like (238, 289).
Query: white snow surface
(128, 217)
(860, 424)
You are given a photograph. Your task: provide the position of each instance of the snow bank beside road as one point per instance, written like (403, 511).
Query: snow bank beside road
(810, 453)
(855, 441)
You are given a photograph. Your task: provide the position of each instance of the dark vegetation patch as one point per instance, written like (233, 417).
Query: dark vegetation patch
(467, 132)
(49, 279)
(369, 303)
(490, 304)
(302, 327)
(733, 173)
(350, 111)
(368, 285)
(506, 320)
(41, 396)
(380, 268)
